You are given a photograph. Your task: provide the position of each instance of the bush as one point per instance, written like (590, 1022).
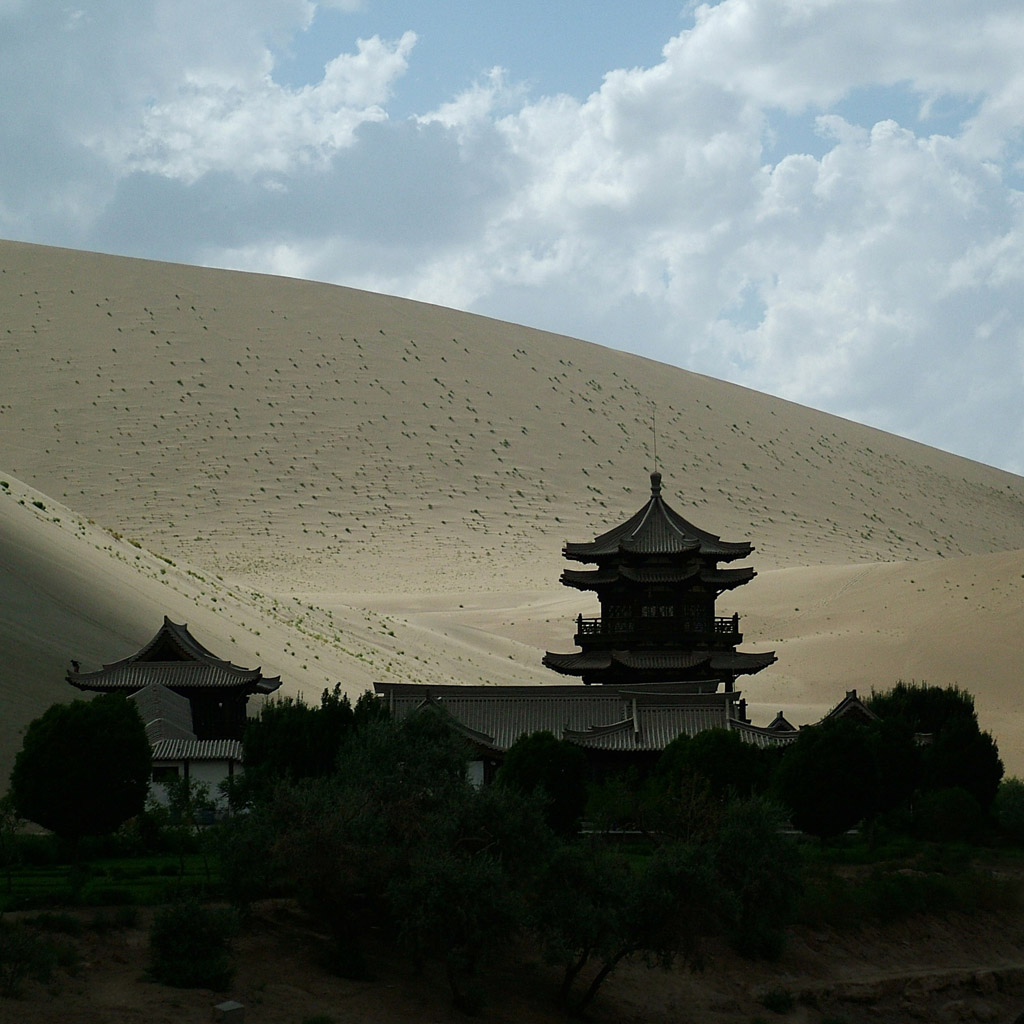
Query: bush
(1008, 809)
(83, 768)
(25, 955)
(555, 768)
(949, 816)
(189, 946)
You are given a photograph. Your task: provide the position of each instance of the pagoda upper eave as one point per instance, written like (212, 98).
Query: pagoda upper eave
(717, 579)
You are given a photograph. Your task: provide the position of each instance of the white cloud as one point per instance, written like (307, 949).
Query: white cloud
(218, 123)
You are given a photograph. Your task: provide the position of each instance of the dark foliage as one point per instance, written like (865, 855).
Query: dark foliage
(729, 766)
(397, 842)
(291, 740)
(959, 754)
(26, 955)
(948, 816)
(1008, 809)
(828, 778)
(83, 768)
(553, 768)
(593, 908)
(760, 867)
(190, 945)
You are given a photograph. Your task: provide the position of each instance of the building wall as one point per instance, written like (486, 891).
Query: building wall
(208, 773)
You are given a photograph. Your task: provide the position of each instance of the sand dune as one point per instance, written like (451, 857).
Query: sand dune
(355, 487)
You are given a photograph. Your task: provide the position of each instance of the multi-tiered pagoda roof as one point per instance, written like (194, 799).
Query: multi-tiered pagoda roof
(657, 577)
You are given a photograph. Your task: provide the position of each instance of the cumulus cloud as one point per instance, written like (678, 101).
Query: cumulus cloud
(817, 199)
(214, 122)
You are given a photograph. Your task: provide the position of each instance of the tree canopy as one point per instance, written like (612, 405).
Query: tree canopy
(957, 754)
(83, 768)
(540, 763)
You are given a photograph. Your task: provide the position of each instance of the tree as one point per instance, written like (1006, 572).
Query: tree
(960, 754)
(760, 867)
(594, 908)
(83, 768)
(289, 739)
(827, 777)
(720, 756)
(554, 768)
(1008, 809)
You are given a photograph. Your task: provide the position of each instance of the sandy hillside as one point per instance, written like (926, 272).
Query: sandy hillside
(355, 487)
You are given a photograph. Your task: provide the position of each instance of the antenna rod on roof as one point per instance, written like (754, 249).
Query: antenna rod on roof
(654, 430)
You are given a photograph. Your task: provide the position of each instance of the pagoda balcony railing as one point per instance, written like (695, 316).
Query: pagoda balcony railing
(724, 627)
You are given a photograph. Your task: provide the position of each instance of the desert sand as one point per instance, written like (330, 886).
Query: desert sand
(347, 487)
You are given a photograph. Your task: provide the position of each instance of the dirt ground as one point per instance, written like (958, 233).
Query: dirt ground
(933, 970)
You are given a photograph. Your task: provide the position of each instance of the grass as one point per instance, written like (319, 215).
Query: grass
(849, 886)
(120, 881)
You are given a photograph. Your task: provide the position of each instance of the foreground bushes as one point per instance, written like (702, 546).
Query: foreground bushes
(397, 841)
(189, 945)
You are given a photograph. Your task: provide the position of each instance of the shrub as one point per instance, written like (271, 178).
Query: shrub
(949, 816)
(25, 955)
(778, 1000)
(539, 762)
(1008, 809)
(189, 945)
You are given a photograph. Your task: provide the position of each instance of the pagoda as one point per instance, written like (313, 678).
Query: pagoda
(217, 691)
(657, 578)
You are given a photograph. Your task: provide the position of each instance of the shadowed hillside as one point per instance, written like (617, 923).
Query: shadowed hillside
(388, 484)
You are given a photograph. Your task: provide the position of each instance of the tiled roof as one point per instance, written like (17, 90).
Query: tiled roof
(723, 579)
(627, 718)
(654, 660)
(657, 529)
(763, 736)
(166, 714)
(742, 663)
(185, 674)
(173, 658)
(197, 750)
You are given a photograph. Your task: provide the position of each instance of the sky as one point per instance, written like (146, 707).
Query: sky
(819, 199)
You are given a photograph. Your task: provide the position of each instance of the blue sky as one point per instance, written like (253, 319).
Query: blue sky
(821, 199)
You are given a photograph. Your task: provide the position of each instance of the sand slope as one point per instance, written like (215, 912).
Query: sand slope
(381, 489)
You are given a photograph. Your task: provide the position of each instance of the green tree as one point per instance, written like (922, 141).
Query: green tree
(1008, 809)
(397, 839)
(827, 777)
(83, 768)
(594, 908)
(959, 753)
(759, 866)
(190, 945)
(556, 769)
(290, 739)
(719, 756)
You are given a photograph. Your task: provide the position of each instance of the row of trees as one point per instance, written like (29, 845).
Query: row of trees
(396, 840)
(372, 824)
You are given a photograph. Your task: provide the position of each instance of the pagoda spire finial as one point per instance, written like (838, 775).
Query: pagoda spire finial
(655, 484)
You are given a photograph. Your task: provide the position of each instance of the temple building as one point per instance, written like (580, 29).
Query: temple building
(668, 663)
(657, 578)
(217, 691)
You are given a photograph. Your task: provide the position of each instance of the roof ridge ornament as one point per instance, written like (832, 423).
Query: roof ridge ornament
(655, 484)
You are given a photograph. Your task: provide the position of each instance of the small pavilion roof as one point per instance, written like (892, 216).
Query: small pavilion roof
(657, 529)
(852, 706)
(173, 658)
